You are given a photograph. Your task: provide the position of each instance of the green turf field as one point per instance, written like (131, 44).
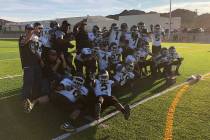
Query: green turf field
(147, 121)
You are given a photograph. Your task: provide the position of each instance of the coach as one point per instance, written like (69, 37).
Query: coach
(30, 59)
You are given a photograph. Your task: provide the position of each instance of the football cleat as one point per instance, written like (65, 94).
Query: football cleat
(127, 112)
(68, 127)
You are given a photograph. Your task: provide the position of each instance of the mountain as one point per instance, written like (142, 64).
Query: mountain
(203, 21)
(190, 19)
(125, 13)
(3, 22)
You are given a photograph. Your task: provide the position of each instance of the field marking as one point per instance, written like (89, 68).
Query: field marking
(84, 127)
(171, 111)
(10, 96)
(10, 77)
(168, 135)
(9, 59)
(8, 52)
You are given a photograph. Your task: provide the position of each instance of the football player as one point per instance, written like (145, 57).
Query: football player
(163, 61)
(94, 35)
(71, 95)
(141, 26)
(133, 40)
(114, 35)
(85, 59)
(175, 59)
(124, 74)
(116, 56)
(103, 56)
(104, 98)
(157, 36)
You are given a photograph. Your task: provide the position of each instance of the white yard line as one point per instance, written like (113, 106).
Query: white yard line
(8, 52)
(9, 59)
(10, 77)
(84, 127)
(3, 98)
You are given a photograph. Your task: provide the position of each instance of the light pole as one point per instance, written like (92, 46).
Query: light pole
(169, 34)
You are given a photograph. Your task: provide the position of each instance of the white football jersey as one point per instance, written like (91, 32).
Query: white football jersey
(116, 56)
(59, 34)
(67, 83)
(174, 56)
(127, 35)
(156, 39)
(103, 59)
(91, 36)
(73, 94)
(144, 37)
(115, 37)
(70, 92)
(35, 44)
(133, 43)
(45, 37)
(103, 89)
(143, 53)
(161, 59)
(122, 77)
(131, 59)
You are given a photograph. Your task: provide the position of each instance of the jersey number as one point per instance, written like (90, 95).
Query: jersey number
(116, 38)
(157, 37)
(104, 87)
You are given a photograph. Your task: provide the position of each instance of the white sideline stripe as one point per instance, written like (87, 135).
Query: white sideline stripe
(3, 98)
(8, 52)
(10, 77)
(84, 127)
(9, 59)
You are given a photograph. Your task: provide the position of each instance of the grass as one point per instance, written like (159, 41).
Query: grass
(147, 121)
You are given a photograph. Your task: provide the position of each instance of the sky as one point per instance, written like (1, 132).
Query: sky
(30, 10)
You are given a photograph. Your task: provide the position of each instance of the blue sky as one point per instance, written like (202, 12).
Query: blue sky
(27, 10)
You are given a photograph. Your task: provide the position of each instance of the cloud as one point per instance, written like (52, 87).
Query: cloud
(22, 10)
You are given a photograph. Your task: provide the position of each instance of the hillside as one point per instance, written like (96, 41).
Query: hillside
(125, 13)
(189, 18)
(2, 21)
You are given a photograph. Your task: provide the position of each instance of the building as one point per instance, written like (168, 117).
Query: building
(101, 21)
(91, 21)
(20, 26)
(149, 19)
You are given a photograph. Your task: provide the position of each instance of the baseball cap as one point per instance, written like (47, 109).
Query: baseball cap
(29, 27)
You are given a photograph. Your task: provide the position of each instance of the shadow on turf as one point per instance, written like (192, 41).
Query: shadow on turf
(47, 118)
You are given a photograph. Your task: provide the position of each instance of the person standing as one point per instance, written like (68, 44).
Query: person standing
(157, 36)
(84, 47)
(30, 58)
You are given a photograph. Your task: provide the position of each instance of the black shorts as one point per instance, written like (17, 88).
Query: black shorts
(156, 49)
(107, 101)
(64, 103)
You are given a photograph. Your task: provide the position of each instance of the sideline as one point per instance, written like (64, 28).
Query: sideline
(94, 123)
(10, 77)
(1, 60)
(10, 96)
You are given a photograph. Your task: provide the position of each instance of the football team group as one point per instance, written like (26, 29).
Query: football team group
(83, 82)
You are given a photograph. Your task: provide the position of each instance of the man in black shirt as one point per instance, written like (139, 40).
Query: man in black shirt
(28, 46)
(81, 36)
(83, 42)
